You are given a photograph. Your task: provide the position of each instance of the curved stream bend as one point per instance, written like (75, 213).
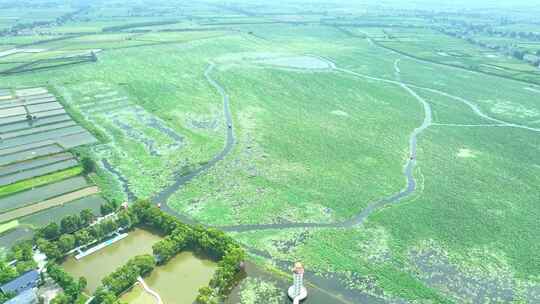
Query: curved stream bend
(408, 170)
(162, 197)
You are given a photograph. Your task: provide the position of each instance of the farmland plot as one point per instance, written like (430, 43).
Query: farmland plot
(29, 154)
(49, 122)
(31, 124)
(42, 193)
(10, 237)
(24, 148)
(19, 102)
(37, 137)
(33, 153)
(39, 171)
(47, 204)
(55, 214)
(35, 163)
(39, 129)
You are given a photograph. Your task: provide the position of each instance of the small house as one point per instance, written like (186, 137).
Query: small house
(26, 297)
(22, 287)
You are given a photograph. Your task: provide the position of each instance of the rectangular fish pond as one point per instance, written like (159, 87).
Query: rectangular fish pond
(177, 282)
(99, 264)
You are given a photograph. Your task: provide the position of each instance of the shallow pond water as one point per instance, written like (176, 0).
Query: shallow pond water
(96, 266)
(178, 281)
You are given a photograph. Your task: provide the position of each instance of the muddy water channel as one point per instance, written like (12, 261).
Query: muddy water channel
(99, 264)
(177, 282)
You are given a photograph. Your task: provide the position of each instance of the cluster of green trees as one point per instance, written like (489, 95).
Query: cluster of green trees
(88, 164)
(209, 241)
(22, 253)
(74, 231)
(123, 278)
(68, 224)
(5, 297)
(109, 207)
(72, 289)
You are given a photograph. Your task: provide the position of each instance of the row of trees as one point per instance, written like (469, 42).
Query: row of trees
(58, 248)
(68, 224)
(468, 31)
(123, 278)
(19, 27)
(75, 231)
(74, 222)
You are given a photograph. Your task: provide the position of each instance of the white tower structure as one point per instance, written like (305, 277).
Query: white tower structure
(297, 291)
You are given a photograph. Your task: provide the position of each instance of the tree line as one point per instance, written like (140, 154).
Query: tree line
(76, 230)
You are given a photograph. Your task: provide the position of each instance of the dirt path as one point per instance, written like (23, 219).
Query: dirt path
(53, 202)
(150, 291)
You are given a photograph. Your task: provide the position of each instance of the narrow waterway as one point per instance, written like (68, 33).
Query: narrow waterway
(163, 196)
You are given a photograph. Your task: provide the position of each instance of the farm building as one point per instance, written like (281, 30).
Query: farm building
(22, 287)
(26, 297)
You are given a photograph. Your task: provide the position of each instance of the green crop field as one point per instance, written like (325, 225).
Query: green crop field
(394, 150)
(38, 181)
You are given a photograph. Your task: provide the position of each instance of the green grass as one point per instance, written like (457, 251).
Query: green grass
(295, 146)
(7, 226)
(357, 255)
(493, 204)
(39, 181)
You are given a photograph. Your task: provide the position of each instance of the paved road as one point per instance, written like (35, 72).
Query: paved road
(150, 291)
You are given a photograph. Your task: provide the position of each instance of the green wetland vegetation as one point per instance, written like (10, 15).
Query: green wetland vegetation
(393, 148)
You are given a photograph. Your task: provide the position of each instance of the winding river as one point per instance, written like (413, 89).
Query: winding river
(408, 171)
